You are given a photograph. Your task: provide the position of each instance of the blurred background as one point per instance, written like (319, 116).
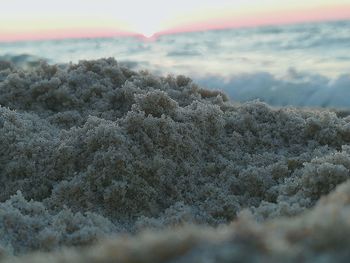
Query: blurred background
(281, 52)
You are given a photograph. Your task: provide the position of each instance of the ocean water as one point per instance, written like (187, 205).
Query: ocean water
(302, 64)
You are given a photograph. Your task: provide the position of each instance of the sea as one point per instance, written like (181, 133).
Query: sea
(298, 65)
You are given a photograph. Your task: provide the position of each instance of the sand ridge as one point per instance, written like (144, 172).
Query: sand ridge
(94, 150)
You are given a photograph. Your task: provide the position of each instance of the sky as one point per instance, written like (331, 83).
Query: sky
(45, 19)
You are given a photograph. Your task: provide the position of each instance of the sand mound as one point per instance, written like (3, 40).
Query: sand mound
(319, 235)
(95, 149)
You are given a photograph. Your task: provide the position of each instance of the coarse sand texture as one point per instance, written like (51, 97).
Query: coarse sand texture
(124, 166)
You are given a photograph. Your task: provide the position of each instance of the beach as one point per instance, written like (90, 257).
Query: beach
(101, 163)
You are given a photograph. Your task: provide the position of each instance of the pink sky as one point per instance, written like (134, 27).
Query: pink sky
(63, 34)
(29, 25)
(263, 19)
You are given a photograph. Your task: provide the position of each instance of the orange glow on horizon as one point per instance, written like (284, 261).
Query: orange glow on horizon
(265, 19)
(205, 21)
(63, 34)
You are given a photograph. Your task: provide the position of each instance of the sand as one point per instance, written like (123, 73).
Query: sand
(164, 171)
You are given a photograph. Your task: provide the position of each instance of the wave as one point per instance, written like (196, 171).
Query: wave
(25, 61)
(294, 89)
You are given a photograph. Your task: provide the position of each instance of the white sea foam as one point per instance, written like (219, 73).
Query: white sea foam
(294, 88)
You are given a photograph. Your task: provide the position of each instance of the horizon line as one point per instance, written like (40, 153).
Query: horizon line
(85, 33)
